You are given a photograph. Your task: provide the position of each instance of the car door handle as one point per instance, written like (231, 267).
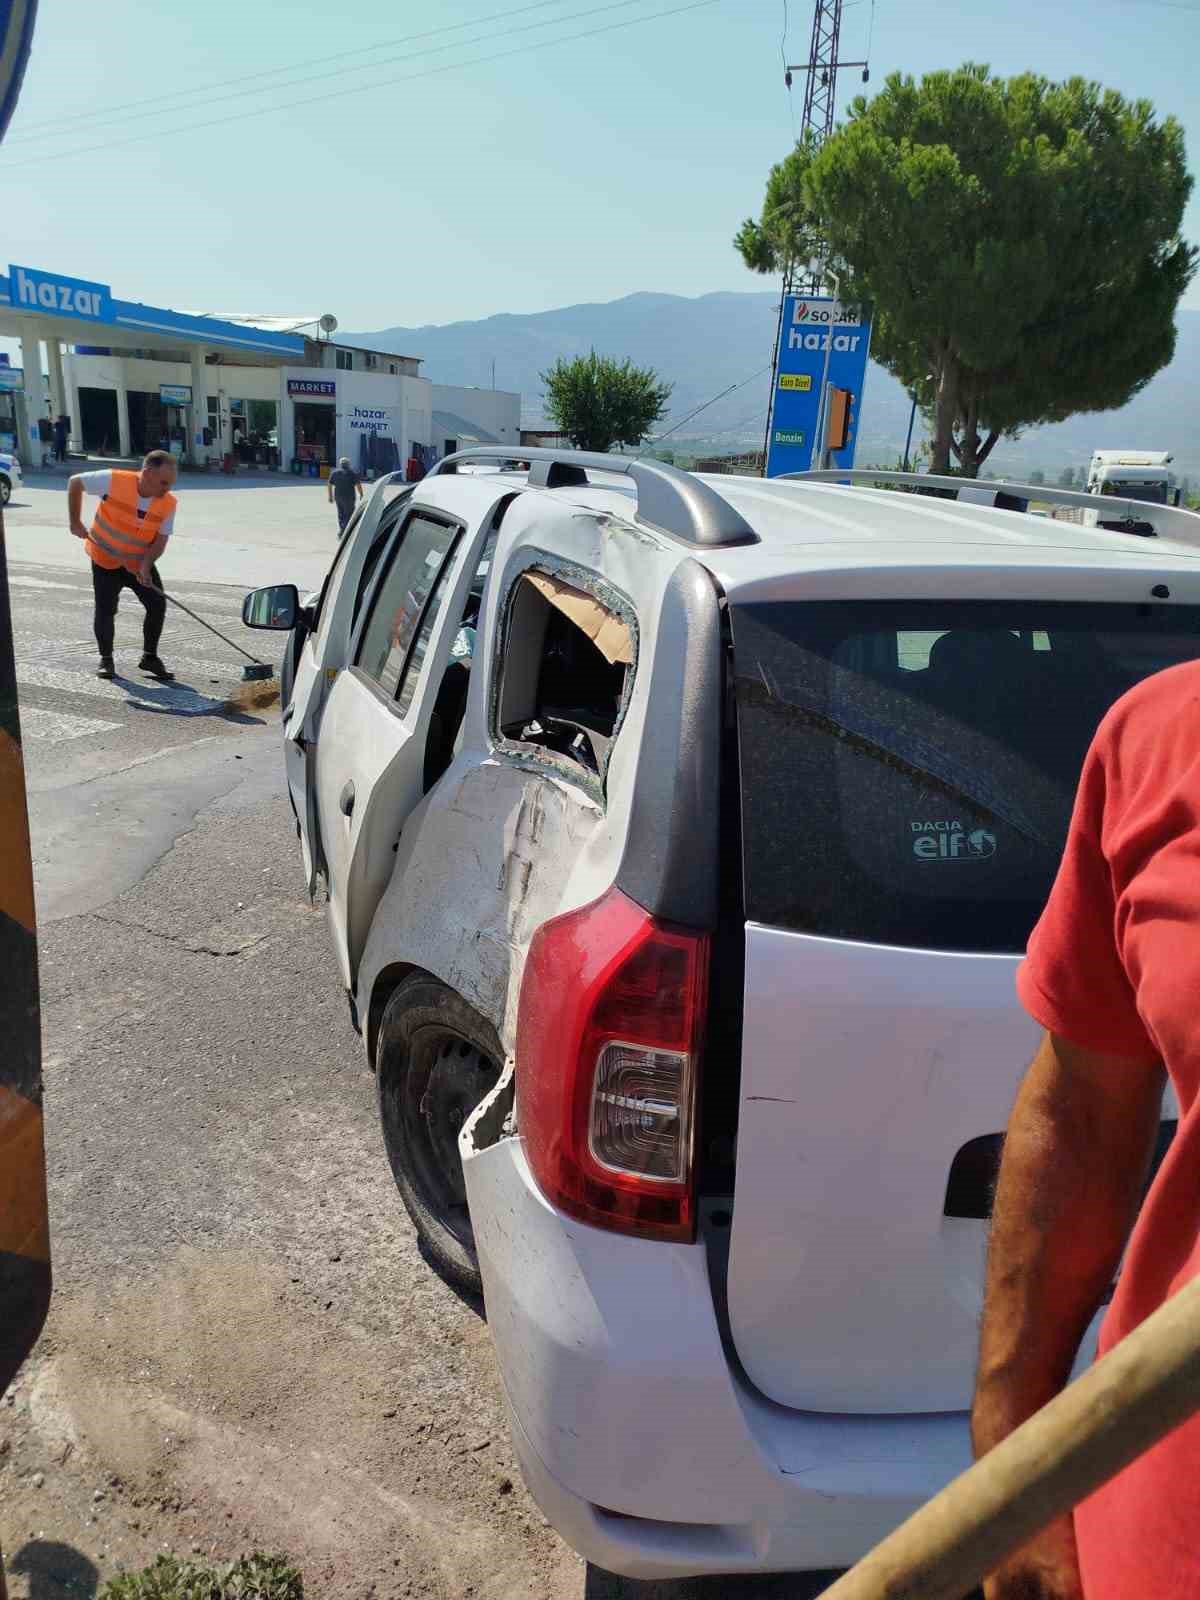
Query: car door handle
(346, 798)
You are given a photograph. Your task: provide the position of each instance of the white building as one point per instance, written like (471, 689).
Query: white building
(268, 391)
(464, 416)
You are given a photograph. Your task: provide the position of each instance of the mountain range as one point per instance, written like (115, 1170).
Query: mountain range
(707, 344)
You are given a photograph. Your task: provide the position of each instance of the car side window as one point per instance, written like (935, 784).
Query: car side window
(379, 544)
(567, 669)
(416, 565)
(416, 656)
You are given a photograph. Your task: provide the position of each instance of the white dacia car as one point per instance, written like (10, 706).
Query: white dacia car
(681, 837)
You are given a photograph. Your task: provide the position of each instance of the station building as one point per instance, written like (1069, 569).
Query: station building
(222, 389)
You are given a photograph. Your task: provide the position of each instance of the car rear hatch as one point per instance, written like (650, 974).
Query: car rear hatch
(907, 771)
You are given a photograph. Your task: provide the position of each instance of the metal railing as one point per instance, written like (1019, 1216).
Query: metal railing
(669, 500)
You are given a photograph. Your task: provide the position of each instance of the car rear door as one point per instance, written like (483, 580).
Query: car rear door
(908, 770)
(323, 653)
(370, 766)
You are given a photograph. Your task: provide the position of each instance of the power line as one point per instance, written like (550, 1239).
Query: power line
(787, 77)
(387, 61)
(365, 88)
(96, 114)
(704, 407)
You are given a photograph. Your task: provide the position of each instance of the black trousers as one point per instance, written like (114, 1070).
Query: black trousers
(107, 586)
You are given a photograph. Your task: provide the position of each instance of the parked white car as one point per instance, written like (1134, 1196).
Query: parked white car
(681, 837)
(10, 477)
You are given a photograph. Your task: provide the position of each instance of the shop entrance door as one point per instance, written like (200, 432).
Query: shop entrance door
(98, 428)
(316, 426)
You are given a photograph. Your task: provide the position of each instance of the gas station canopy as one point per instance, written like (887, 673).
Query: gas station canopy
(45, 305)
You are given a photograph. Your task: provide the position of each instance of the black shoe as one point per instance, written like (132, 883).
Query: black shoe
(155, 667)
(106, 669)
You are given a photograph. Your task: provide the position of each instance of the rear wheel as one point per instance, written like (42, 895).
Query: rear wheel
(5, 488)
(436, 1060)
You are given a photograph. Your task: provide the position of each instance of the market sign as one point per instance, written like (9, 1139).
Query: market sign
(32, 290)
(11, 378)
(322, 388)
(367, 419)
(175, 394)
(819, 338)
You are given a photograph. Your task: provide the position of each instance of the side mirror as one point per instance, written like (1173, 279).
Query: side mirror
(277, 607)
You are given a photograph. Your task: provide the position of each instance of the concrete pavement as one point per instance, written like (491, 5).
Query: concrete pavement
(275, 529)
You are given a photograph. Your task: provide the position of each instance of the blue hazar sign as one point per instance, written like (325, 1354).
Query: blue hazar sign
(32, 290)
(809, 323)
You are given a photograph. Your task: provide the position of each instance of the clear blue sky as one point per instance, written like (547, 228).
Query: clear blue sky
(578, 171)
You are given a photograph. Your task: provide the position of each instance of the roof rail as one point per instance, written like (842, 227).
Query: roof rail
(668, 499)
(1114, 512)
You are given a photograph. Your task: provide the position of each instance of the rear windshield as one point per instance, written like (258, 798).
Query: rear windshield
(908, 768)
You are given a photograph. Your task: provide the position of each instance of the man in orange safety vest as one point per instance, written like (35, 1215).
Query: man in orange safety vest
(129, 531)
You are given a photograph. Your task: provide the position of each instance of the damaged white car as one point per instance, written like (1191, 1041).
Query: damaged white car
(680, 839)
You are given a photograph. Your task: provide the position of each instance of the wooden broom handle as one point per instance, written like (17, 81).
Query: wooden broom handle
(1146, 1385)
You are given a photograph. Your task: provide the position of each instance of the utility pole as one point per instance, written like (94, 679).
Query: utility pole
(816, 123)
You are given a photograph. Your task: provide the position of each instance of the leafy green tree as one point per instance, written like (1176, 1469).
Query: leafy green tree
(1018, 240)
(1066, 478)
(599, 401)
(1037, 476)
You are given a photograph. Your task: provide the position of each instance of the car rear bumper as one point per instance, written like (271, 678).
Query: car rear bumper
(642, 1443)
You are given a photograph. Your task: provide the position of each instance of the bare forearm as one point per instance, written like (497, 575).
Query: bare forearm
(74, 504)
(152, 554)
(1075, 1158)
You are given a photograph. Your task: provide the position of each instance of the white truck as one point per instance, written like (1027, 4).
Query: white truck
(1133, 475)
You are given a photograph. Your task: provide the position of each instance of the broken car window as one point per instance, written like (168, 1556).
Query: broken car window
(567, 660)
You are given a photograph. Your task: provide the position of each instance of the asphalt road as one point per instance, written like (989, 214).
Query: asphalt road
(246, 1348)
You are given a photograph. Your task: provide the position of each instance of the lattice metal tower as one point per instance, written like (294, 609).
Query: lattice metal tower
(820, 95)
(820, 89)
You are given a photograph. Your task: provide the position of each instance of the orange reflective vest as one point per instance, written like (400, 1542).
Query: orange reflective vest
(119, 536)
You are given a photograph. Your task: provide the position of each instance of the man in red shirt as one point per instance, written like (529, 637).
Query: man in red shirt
(1113, 975)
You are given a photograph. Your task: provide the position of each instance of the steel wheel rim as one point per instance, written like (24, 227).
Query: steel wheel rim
(447, 1077)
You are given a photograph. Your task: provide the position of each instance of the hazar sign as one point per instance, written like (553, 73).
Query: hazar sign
(818, 339)
(31, 290)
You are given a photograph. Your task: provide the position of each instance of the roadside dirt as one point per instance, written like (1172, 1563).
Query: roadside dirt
(225, 1407)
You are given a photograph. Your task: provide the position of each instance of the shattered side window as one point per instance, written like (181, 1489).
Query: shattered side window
(567, 668)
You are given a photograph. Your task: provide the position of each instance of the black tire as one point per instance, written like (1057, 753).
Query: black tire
(5, 488)
(436, 1059)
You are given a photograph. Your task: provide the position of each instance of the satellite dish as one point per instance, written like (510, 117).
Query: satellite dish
(328, 322)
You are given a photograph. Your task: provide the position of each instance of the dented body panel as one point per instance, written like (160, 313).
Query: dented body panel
(624, 1401)
(516, 839)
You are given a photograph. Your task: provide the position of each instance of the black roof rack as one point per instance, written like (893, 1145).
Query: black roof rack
(668, 499)
(1117, 514)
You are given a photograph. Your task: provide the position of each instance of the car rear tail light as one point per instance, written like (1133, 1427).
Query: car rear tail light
(608, 1029)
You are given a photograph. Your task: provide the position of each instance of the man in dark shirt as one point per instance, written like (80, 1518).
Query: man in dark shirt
(344, 482)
